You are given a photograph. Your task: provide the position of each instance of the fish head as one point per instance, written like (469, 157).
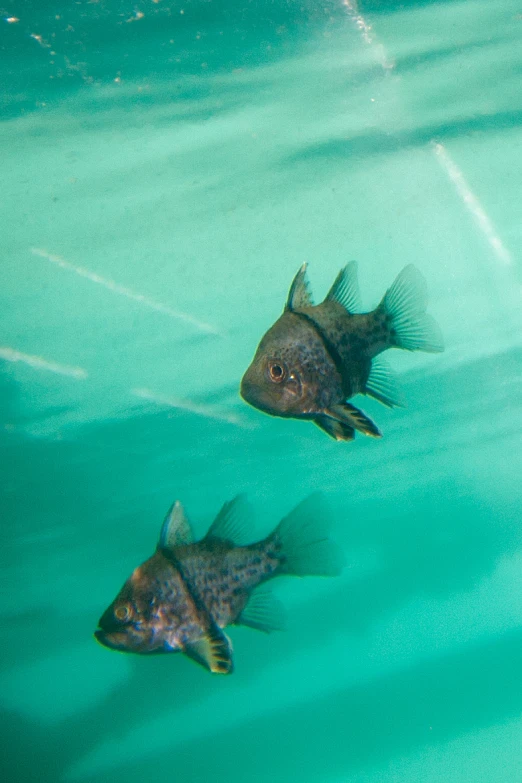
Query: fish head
(285, 377)
(272, 386)
(146, 616)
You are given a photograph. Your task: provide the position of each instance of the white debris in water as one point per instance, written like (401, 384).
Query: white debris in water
(472, 203)
(11, 355)
(123, 291)
(191, 407)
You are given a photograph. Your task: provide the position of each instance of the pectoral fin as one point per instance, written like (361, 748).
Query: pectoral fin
(337, 430)
(351, 416)
(213, 651)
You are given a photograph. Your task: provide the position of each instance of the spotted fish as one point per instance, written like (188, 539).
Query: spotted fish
(181, 598)
(315, 358)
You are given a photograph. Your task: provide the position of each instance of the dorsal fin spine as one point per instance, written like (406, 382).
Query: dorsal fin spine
(175, 529)
(299, 294)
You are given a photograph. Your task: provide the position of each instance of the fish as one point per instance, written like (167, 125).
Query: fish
(182, 598)
(317, 357)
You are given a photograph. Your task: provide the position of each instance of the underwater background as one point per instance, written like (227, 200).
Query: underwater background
(166, 169)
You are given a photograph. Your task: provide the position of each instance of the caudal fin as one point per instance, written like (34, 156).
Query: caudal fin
(305, 547)
(410, 326)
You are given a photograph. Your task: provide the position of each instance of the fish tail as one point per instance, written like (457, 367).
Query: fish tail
(304, 546)
(404, 306)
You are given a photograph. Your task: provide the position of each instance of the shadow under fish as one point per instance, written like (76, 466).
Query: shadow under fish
(181, 598)
(315, 358)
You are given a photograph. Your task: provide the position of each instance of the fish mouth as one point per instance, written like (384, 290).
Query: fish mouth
(102, 638)
(252, 395)
(245, 389)
(285, 406)
(121, 643)
(114, 641)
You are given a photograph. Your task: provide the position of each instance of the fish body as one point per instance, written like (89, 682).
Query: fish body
(316, 357)
(181, 598)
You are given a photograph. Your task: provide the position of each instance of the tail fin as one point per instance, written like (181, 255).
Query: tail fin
(405, 304)
(303, 538)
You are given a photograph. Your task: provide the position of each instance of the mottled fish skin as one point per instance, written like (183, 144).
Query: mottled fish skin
(319, 381)
(172, 592)
(316, 357)
(223, 576)
(356, 338)
(162, 611)
(313, 379)
(181, 598)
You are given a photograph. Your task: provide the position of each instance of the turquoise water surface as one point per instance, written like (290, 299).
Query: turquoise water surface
(166, 169)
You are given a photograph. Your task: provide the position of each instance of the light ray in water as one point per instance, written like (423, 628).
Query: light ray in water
(207, 411)
(367, 34)
(123, 291)
(10, 355)
(472, 203)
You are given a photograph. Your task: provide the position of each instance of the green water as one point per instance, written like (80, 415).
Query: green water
(166, 169)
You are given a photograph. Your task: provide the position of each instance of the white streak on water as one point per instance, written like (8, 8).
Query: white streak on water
(207, 411)
(10, 355)
(367, 34)
(473, 204)
(123, 291)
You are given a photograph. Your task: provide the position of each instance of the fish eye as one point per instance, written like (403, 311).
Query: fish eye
(276, 372)
(123, 612)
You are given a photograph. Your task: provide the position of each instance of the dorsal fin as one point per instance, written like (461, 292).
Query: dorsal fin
(345, 289)
(233, 523)
(176, 529)
(299, 294)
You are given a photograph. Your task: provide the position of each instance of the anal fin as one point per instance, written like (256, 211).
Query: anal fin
(336, 429)
(263, 612)
(382, 386)
(353, 417)
(213, 651)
